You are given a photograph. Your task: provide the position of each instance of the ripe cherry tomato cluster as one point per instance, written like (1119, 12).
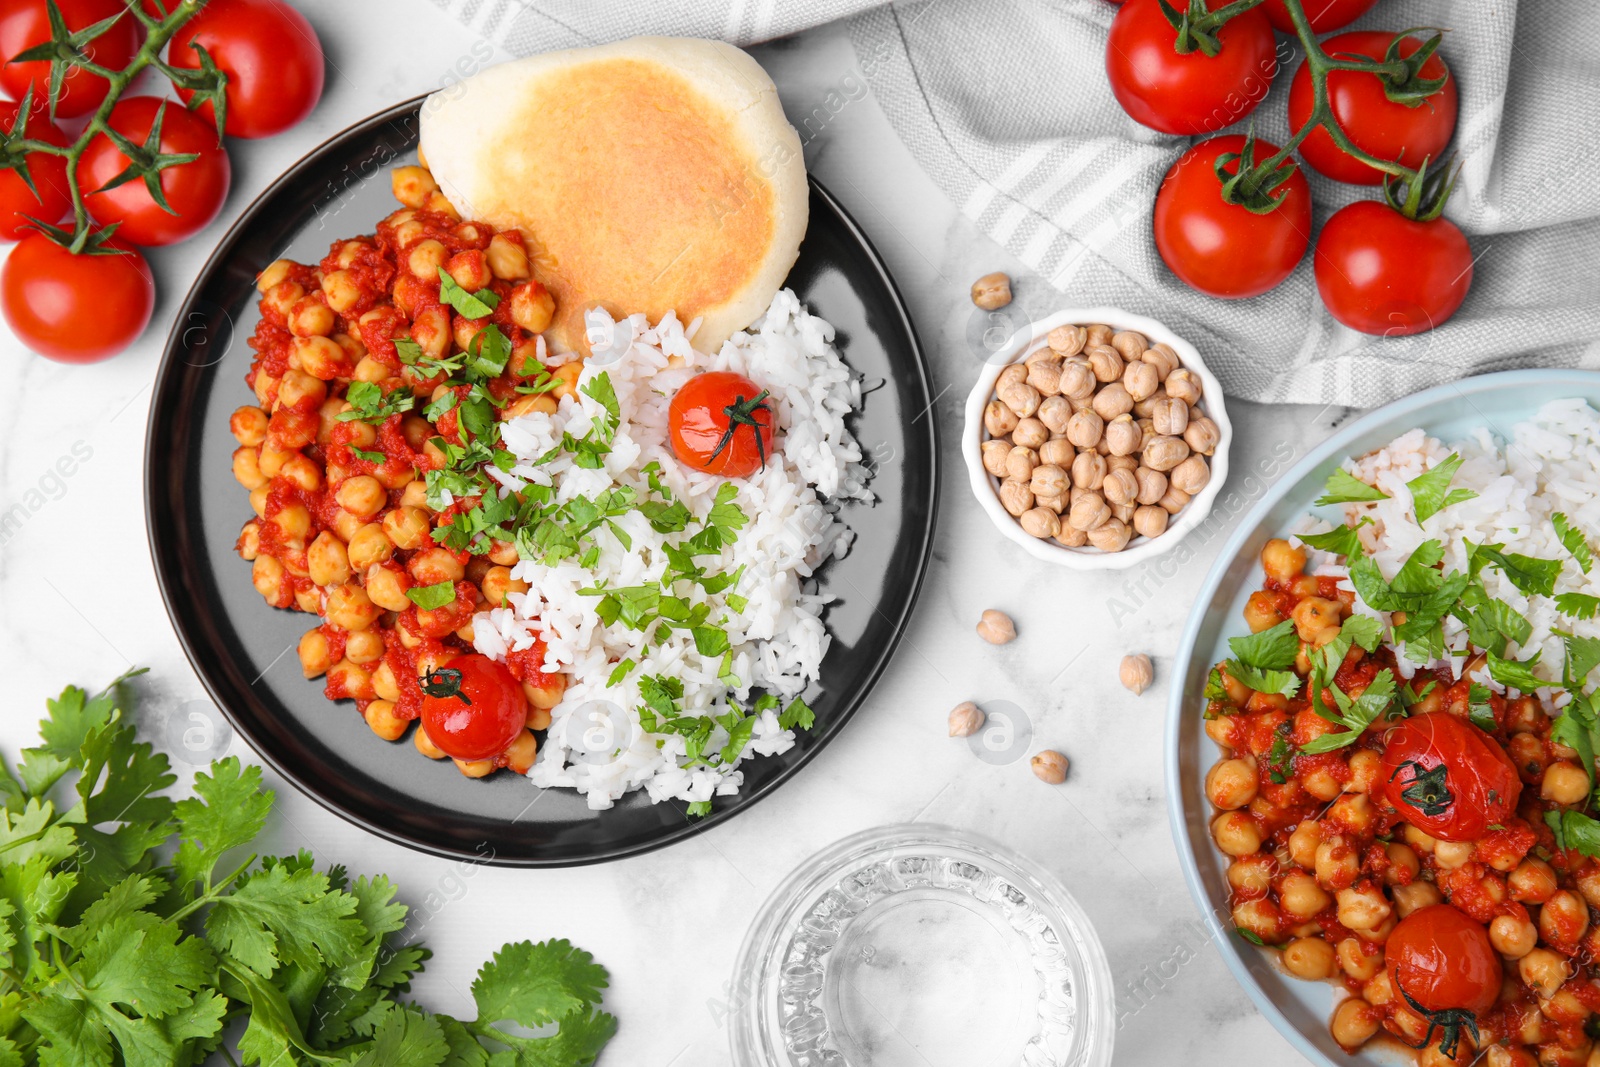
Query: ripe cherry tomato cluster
(1233, 214)
(141, 170)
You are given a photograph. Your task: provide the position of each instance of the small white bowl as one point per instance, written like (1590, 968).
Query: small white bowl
(986, 487)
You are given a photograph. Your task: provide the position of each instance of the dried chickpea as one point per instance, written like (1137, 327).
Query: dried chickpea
(1129, 344)
(1112, 535)
(1161, 356)
(1143, 408)
(1048, 480)
(1112, 400)
(1056, 502)
(1071, 536)
(1123, 436)
(1058, 451)
(1098, 334)
(965, 719)
(1085, 429)
(1088, 470)
(992, 291)
(1067, 340)
(1089, 511)
(1055, 412)
(1120, 487)
(1150, 521)
(1021, 397)
(1016, 497)
(999, 419)
(1077, 380)
(1190, 476)
(994, 457)
(996, 627)
(1011, 374)
(1135, 672)
(1049, 767)
(1140, 380)
(1170, 417)
(1045, 376)
(1040, 522)
(1030, 433)
(1020, 462)
(1163, 453)
(1105, 362)
(1152, 484)
(1202, 435)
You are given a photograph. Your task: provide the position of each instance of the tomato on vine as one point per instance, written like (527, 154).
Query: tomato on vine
(1407, 124)
(1325, 16)
(1384, 274)
(97, 31)
(1441, 963)
(1445, 776)
(33, 185)
(270, 54)
(719, 422)
(1206, 71)
(472, 707)
(155, 207)
(1231, 250)
(75, 307)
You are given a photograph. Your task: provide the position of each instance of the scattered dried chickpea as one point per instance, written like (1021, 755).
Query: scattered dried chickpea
(992, 291)
(996, 627)
(966, 719)
(1136, 673)
(1049, 767)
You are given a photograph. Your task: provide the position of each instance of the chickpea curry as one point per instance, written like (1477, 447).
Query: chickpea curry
(371, 367)
(1418, 840)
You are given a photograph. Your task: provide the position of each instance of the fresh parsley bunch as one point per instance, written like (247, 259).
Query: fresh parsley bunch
(139, 931)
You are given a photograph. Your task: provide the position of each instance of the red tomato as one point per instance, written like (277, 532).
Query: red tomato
(1325, 16)
(270, 54)
(1441, 962)
(1223, 249)
(75, 309)
(25, 23)
(1382, 273)
(1377, 125)
(719, 423)
(1448, 778)
(49, 175)
(473, 708)
(195, 190)
(1193, 93)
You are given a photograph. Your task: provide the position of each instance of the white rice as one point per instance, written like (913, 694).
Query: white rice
(1551, 463)
(778, 639)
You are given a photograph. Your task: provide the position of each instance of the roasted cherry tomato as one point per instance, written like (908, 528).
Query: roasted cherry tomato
(1223, 249)
(1190, 93)
(270, 54)
(472, 707)
(1382, 273)
(50, 198)
(1448, 778)
(1325, 16)
(1442, 965)
(719, 422)
(75, 308)
(26, 23)
(194, 190)
(1376, 124)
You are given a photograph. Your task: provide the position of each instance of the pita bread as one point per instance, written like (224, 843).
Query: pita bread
(654, 174)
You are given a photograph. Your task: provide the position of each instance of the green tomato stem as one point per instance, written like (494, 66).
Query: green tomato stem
(158, 33)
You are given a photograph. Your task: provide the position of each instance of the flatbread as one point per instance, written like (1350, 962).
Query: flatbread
(654, 174)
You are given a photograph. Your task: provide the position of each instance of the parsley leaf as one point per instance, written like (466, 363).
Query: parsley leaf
(370, 456)
(1345, 488)
(1515, 674)
(1355, 714)
(1479, 710)
(797, 715)
(1578, 605)
(432, 597)
(1582, 657)
(1576, 727)
(1575, 831)
(472, 305)
(1573, 540)
(369, 403)
(1341, 540)
(1429, 494)
(1274, 648)
(1531, 575)
(1281, 683)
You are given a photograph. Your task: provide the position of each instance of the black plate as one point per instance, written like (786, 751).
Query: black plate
(243, 650)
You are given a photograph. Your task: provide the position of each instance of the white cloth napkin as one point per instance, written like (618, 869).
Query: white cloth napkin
(1005, 104)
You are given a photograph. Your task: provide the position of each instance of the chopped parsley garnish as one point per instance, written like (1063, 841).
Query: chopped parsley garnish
(1479, 710)
(1577, 728)
(1532, 576)
(370, 457)
(1573, 540)
(472, 305)
(1341, 540)
(1355, 714)
(1578, 605)
(1274, 648)
(1575, 831)
(1280, 683)
(369, 403)
(432, 597)
(1514, 673)
(1431, 492)
(1278, 759)
(1582, 656)
(1345, 488)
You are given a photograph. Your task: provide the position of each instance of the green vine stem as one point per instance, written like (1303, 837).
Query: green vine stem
(1256, 182)
(207, 81)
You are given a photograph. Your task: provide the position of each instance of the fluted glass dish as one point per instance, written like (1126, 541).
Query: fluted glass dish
(921, 946)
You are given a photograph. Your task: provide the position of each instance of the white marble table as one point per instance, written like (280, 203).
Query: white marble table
(78, 603)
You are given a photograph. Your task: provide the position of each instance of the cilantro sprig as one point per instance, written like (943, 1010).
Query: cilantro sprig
(134, 930)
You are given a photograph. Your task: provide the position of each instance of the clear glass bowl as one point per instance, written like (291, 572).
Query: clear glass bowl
(921, 946)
